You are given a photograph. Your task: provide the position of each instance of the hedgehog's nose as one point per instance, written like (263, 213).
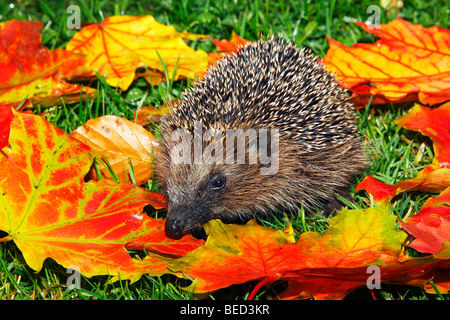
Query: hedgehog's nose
(175, 227)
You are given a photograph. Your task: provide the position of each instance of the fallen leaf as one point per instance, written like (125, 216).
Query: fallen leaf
(121, 142)
(323, 266)
(431, 225)
(157, 242)
(380, 191)
(225, 47)
(435, 123)
(408, 63)
(49, 212)
(441, 281)
(32, 71)
(120, 45)
(405, 270)
(229, 45)
(147, 114)
(233, 254)
(6, 117)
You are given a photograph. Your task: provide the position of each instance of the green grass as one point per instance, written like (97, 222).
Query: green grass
(393, 150)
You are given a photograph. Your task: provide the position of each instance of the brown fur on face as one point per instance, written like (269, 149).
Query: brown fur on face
(268, 85)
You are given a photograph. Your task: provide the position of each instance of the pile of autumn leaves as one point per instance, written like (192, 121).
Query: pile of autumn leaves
(49, 211)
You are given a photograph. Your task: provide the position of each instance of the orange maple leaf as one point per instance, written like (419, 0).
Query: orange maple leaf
(49, 212)
(121, 44)
(408, 63)
(148, 114)
(29, 70)
(225, 47)
(431, 225)
(322, 266)
(435, 123)
(230, 45)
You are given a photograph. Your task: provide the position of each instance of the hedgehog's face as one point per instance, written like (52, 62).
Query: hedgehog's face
(195, 198)
(194, 190)
(199, 192)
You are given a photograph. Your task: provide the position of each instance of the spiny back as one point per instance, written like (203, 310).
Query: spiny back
(271, 84)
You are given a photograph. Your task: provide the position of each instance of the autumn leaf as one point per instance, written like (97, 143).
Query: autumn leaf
(157, 242)
(380, 191)
(31, 71)
(147, 114)
(121, 44)
(229, 45)
(6, 117)
(122, 143)
(431, 225)
(435, 123)
(405, 270)
(226, 46)
(323, 266)
(232, 254)
(408, 63)
(48, 210)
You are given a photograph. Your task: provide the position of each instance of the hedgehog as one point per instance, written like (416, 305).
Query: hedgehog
(266, 130)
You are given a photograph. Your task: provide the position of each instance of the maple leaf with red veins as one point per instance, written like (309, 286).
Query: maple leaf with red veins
(31, 71)
(48, 210)
(408, 63)
(435, 123)
(321, 266)
(119, 45)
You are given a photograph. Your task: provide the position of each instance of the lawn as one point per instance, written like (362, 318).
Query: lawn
(309, 23)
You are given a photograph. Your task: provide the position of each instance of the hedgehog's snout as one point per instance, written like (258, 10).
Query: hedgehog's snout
(175, 226)
(176, 221)
(183, 219)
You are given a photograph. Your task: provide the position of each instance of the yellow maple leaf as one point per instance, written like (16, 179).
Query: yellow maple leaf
(119, 45)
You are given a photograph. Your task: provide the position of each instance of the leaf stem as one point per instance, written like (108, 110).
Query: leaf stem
(264, 281)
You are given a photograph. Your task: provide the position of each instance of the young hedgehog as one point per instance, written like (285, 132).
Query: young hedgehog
(269, 93)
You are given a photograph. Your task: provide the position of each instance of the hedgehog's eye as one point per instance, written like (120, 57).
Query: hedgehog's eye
(218, 183)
